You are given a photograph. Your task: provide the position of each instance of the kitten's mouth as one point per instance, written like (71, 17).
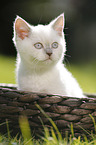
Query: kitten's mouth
(48, 59)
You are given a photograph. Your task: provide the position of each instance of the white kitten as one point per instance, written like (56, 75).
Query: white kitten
(40, 54)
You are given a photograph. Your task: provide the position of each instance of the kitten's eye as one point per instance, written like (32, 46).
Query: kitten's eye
(54, 44)
(38, 45)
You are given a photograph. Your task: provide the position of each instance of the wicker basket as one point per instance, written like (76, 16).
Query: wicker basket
(63, 110)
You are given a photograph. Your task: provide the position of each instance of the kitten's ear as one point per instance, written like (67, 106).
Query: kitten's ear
(58, 24)
(21, 27)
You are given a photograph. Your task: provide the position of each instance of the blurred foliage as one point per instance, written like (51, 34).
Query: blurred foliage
(80, 26)
(85, 73)
(51, 135)
(7, 69)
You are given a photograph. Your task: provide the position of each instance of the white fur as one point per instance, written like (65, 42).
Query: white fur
(35, 72)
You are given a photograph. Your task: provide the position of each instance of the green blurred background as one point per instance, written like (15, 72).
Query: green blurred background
(80, 34)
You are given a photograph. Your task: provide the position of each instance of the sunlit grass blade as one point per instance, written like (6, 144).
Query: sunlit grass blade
(8, 131)
(26, 131)
(54, 135)
(51, 121)
(88, 133)
(93, 121)
(46, 131)
(85, 138)
(72, 130)
(66, 138)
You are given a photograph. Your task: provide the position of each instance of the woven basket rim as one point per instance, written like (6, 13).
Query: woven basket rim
(63, 110)
(14, 87)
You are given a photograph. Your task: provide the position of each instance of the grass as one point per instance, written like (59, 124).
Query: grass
(52, 137)
(85, 73)
(7, 69)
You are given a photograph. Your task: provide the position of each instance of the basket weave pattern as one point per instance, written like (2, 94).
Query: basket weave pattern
(63, 110)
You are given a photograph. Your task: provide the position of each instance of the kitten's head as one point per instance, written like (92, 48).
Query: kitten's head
(42, 44)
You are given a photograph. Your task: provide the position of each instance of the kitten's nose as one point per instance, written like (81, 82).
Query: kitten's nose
(49, 51)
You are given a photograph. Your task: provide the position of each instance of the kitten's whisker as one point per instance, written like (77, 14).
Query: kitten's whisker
(32, 63)
(67, 55)
(66, 28)
(36, 65)
(39, 19)
(66, 61)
